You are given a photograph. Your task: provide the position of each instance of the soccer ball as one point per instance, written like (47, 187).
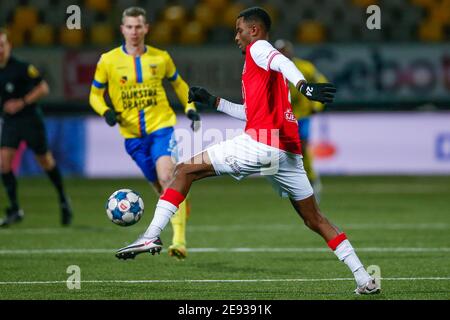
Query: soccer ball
(125, 207)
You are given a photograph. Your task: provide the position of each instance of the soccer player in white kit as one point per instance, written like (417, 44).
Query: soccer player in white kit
(270, 145)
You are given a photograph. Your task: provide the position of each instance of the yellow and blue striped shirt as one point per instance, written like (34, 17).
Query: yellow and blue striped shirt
(135, 87)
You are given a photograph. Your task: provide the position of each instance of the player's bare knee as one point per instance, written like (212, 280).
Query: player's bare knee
(5, 162)
(186, 171)
(5, 167)
(181, 170)
(46, 161)
(46, 165)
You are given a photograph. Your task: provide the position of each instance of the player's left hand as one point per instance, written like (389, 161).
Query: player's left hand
(201, 95)
(13, 106)
(322, 92)
(195, 117)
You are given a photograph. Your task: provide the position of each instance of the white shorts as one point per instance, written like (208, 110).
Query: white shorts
(243, 156)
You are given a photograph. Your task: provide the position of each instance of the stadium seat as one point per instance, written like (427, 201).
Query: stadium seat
(311, 32)
(16, 36)
(102, 35)
(206, 15)
(272, 11)
(193, 33)
(98, 5)
(431, 31)
(25, 18)
(441, 14)
(188, 4)
(216, 4)
(402, 20)
(161, 33)
(42, 35)
(71, 38)
(230, 14)
(175, 15)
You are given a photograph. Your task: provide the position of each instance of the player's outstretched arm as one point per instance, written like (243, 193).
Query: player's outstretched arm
(201, 95)
(267, 57)
(232, 109)
(321, 92)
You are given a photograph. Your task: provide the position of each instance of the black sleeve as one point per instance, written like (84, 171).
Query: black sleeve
(32, 75)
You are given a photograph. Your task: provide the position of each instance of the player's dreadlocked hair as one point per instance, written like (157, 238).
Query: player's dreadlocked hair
(134, 12)
(256, 14)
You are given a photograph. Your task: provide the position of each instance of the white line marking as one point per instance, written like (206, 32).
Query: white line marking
(223, 280)
(222, 250)
(237, 227)
(398, 188)
(301, 227)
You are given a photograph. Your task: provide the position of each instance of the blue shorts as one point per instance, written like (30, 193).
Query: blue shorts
(146, 150)
(303, 128)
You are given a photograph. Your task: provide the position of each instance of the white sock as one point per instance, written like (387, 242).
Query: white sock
(163, 212)
(346, 253)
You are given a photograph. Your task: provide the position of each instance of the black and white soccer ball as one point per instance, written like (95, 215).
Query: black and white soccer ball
(125, 207)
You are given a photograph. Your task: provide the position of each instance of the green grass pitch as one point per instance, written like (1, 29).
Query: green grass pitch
(245, 242)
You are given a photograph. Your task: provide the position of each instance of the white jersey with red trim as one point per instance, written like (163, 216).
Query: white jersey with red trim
(270, 119)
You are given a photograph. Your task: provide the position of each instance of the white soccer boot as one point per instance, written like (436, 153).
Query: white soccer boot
(371, 287)
(141, 245)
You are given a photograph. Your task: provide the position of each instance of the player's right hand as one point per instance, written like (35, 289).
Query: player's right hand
(201, 95)
(195, 118)
(110, 117)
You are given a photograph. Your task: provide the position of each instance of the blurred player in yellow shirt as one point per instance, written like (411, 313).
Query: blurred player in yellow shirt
(133, 74)
(304, 108)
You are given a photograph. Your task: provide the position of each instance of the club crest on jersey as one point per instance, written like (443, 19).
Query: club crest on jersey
(123, 80)
(289, 116)
(153, 68)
